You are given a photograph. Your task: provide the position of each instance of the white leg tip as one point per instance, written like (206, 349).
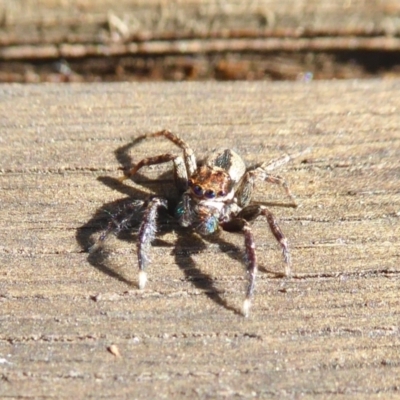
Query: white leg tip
(142, 279)
(246, 307)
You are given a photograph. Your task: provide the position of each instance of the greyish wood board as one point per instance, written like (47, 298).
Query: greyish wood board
(76, 326)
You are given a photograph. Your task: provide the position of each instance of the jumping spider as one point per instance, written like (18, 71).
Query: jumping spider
(215, 194)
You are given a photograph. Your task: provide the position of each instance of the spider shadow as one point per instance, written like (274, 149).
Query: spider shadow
(204, 281)
(98, 223)
(100, 259)
(195, 275)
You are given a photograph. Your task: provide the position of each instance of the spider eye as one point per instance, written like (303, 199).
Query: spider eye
(190, 183)
(221, 194)
(198, 190)
(209, 194)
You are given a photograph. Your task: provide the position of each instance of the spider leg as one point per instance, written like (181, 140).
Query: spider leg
(160, 159)
(147, 232)
(180, 174)
(240, 224)
(189, 159)
(280, 237)
(277, 163)
(279, 181)
(119, 222)
(251, 212)
(245, 189)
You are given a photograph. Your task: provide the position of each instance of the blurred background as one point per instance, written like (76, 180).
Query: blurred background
(136, 40)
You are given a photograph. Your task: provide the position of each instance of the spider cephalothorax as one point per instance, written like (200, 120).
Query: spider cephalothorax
(210, 183)
(216, 194)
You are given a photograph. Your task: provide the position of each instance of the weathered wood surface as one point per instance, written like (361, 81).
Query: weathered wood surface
(57, 22)
(74, 40)
(330, 331)
(57, 28)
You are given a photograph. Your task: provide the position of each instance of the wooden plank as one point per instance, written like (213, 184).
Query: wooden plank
(75, 41)
(54, 23)
(331, 330)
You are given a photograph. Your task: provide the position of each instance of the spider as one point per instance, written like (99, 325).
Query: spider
(215, 194)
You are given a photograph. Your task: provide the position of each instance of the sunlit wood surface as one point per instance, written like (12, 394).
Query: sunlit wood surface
(330, 331)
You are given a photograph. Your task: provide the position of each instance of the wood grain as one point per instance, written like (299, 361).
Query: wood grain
(75, 28)
(330, 331)
(105, 40)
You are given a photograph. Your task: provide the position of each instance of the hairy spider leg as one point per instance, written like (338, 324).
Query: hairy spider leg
(251, 264)
(118, 223)
(111, 227)
(277, 180)
(189, 158)
(280, 237)
(251, 212)
(246, 186)
(147, 233)
(245, 189)
(261, 172)
(180, 174)
(279, 162)
(240, 224)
